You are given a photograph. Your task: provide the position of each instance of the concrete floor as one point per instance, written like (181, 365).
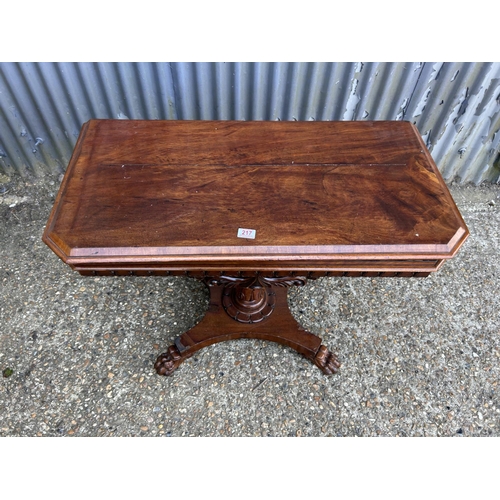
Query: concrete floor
(420, 357)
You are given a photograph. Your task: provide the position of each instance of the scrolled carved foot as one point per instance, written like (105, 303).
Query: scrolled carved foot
(167, 362)
(326, 361)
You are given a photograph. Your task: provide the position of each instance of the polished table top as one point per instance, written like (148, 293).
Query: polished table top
(313, 196)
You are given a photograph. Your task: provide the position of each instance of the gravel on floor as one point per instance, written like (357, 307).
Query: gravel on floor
(420, 357)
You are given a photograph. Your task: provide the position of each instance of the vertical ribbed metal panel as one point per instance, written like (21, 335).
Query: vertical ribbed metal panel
(456, 106)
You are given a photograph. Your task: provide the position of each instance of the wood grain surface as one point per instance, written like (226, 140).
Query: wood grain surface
(336, 196)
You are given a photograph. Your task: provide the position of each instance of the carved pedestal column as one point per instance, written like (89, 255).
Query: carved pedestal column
(248, 307)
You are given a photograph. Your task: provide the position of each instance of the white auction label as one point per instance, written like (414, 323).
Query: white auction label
(246, 233)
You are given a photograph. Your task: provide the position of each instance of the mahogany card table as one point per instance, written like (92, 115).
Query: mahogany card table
(250, 209)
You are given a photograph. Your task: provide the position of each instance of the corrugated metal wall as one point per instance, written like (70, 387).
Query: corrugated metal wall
(456, 106)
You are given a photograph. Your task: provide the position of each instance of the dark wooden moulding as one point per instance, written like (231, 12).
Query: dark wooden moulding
(167, 198)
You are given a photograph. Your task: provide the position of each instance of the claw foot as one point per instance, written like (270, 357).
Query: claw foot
(326, 361)
(167, 362)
